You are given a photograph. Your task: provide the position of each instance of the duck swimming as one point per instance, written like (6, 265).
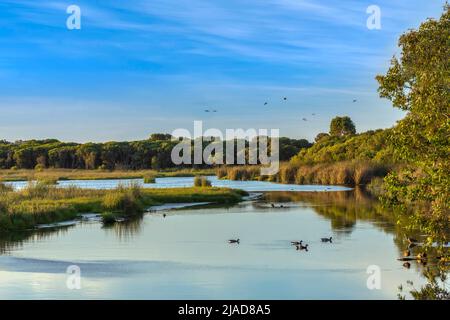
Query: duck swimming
(327, 239)
(412, 240)
(302, 247)
(422, 256)
(233, 241)
(297, 243)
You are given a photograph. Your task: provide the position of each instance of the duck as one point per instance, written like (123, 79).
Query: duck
(406, 253)
(412, 240)
(273, 206)
(302, 247)
(412, 245)
(422, 256)
(297, 243)
(327, 239)
(407, 265)
(233, 241)
(164, 215)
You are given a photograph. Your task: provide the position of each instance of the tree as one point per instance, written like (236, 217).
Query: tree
(320, 136)
(342, 126)
(418, 82)
(160, 136)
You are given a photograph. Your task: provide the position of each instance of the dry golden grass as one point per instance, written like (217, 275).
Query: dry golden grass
(82, 174)
(348, 173)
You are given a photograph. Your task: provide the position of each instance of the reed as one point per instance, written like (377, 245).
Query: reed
(40, 203)
(84, 174)
(200, 181)
(349, 173)
(149, 178)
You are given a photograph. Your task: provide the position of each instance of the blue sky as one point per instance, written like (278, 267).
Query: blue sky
(138, 67)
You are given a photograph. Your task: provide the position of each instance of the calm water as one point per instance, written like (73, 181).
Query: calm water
(183, 182)
(186, 254)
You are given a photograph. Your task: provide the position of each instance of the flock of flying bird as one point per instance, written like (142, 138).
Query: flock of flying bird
(265, 104)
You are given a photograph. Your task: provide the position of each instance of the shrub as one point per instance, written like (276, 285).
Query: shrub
(4, 188)
(200, 181)
(149, 178)
(126, 200)
(221, 172)
(108, 217)
(48, 181)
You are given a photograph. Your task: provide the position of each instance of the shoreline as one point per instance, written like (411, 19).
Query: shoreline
(45, 204)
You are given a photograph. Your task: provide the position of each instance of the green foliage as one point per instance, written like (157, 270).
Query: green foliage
(320, 136)
(419, 83)
(109, 217)
(154, 153)
(367, 146)
(342, 126)
(200, 181)
(160, 136)
(149, 178)
(40, 203)
(128, 200)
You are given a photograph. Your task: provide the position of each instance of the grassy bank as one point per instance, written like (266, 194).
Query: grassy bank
(42, 203)
(81, 174)
(349, 173)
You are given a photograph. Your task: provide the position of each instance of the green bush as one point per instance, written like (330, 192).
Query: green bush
(108, 217)
(200, 181)
(129, 201)
(149, 178)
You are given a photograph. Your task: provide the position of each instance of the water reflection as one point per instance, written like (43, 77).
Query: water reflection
(11, 241)
(197, 236)
(125, 231)
(345, 209)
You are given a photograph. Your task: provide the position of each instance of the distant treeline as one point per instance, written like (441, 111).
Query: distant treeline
(153, 153)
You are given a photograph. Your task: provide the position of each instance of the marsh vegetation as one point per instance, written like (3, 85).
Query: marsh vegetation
(41, 203)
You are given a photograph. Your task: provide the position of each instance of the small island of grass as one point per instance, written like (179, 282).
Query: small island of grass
(42, 203)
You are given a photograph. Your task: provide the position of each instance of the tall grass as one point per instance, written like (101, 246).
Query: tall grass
(83, 174)
(200, 181)
(242, 172)
(127, 200)
(349, 173)
(149, 178)
(41, 203)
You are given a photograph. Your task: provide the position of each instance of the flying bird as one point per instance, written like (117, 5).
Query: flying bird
(354, 100)
(304, 119)
(265, 103)
(284, 98)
